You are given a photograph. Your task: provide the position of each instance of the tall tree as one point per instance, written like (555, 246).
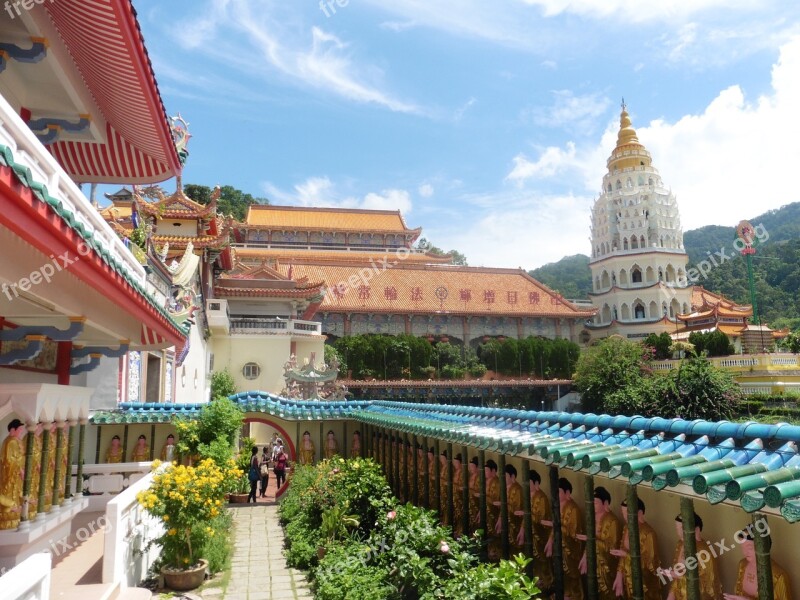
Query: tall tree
(232, 201)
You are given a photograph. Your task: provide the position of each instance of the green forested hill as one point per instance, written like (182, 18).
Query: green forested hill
(776, 266)
(570, 276)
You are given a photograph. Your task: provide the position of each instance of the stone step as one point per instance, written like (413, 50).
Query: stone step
(134, 593)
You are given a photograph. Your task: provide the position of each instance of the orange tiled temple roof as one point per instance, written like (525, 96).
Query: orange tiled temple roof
(414, 288)
(326, 219)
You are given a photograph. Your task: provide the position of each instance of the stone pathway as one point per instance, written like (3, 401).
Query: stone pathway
(258, 568)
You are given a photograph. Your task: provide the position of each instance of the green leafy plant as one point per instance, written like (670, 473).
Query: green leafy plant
(222, 384)
(337, 524)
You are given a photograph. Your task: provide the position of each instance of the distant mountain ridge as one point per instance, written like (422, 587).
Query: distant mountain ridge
(776, 264)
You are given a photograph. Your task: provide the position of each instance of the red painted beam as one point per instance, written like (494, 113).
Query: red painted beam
(38, 225)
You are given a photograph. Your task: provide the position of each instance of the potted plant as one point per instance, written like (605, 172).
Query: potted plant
(240, 489)
(186, 499)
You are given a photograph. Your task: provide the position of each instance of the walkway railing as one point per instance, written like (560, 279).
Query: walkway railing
(103, 482)
(29, 580)
(129, 529)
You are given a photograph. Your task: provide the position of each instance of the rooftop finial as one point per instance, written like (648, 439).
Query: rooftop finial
(623, 105)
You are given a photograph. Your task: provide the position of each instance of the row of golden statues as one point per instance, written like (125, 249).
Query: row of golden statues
(614, 573)
(307, 451)
(141, 451)
(12, 472)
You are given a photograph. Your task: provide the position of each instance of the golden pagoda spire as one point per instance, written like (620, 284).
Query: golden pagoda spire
(627, 134)
(629, 151)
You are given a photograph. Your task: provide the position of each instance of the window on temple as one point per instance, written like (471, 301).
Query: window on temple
(638, 311)
(251, 371)
(636, 275)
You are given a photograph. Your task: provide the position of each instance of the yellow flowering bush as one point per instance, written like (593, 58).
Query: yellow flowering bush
(187, 499)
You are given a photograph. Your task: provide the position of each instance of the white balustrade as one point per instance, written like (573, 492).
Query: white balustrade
(129, 530)
(103, 482)
(29, 580)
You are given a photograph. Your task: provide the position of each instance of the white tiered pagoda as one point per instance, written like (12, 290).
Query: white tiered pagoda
(638, 262)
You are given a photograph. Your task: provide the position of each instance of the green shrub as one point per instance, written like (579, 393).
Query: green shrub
(344, 574)
(218, 547)
(488, 582)
(395, 553)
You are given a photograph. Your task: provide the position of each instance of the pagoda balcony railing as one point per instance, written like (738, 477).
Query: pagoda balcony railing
(29, 152)
(742, 362)
(637, 251)
(276, 326)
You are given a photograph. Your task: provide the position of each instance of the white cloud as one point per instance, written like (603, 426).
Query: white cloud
(552, 161)
(574, 112)
(525, 229)
(322, 192)
(262, 43)
(398, 26)
(734, 160)
(459, 113)
(388, 200)
(636, 11)
(426, 190)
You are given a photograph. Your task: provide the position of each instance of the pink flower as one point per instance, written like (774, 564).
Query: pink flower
(391, 516)
(335, 471)
(444, 547)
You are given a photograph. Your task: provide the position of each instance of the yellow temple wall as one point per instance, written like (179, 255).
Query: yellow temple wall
(270, 352)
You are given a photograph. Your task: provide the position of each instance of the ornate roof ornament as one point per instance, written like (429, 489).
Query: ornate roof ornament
(180, 135)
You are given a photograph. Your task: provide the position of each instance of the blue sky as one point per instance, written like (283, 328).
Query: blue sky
(488, 123)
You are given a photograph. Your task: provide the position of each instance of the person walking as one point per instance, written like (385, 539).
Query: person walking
(264, 470)
(253, 475)
(280, 468)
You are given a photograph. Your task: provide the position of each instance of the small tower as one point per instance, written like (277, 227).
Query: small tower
(638, 261)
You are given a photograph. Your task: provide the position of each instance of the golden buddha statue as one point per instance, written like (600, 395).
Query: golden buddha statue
(61, 485)
(433, 484)
(114, 453)
(747, 576)
(169, 451)
(331, 445)
(572, 529)
(608, 534)
(514, 509)
(36, 472)
(444, 498)
(648, 546)
(458, 497)
(492, 509)
(355, 446)
(474, 495)
(12, 474)
(540, 514)
(710, 583)
(141, 451)
(421, 475)
(307, 451)
(50, 472)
